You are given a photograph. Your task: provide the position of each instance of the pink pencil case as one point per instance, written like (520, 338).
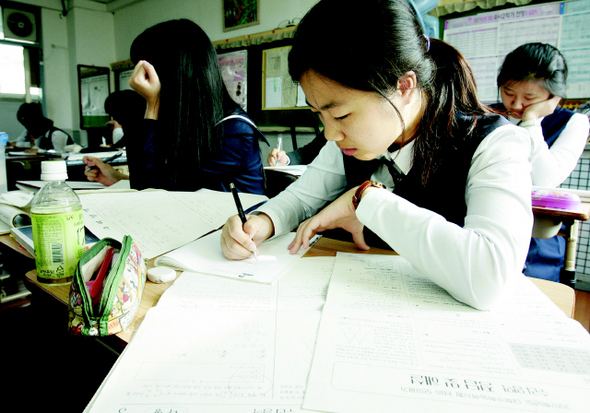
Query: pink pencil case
(554, 199)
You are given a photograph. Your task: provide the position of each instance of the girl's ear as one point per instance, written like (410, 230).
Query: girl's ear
(406, 84)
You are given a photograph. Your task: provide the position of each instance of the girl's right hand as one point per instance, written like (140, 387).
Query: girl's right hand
(276, 155)
(240, 241)
(98, 171)
(145, 81)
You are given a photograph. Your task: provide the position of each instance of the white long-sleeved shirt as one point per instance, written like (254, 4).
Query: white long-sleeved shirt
(474, 263)
(552, 165)
(58, 139)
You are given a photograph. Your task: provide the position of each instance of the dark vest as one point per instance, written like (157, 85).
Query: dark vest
(552, 125)
(555, 123)
(46, 143)
(444, 193)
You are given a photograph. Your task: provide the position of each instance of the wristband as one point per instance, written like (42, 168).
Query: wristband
(356, 198)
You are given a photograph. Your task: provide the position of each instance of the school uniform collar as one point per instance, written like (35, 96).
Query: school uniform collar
(401, 157)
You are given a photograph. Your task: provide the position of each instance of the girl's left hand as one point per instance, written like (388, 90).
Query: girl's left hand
(540, 109)
(339, 214)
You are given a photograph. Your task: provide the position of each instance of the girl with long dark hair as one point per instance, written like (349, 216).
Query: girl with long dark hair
(412, 154)
(193, 135)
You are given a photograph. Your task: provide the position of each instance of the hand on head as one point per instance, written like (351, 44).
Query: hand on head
(102, 172)
(145, 81)
(112, 124)
(275, 155)
(239, 241)
(541, 109)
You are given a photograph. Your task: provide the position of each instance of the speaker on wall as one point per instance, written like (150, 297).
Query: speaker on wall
(19, 25)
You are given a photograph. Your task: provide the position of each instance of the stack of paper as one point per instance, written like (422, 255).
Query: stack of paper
(388, 340)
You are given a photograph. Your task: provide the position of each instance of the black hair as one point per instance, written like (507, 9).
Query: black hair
(535, 61)
(125, 106)
(30, 115)
(193, 96)
(29, 112)
(370, 46)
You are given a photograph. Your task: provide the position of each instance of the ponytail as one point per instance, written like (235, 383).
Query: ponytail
(452, 91)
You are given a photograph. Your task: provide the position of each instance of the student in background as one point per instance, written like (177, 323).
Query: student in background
(126, 108)
(301, 156)
(39, 131)
(532, 82)
(193, 135)
(401, 110)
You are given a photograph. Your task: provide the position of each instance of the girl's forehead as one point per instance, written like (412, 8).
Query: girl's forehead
(323, 93)
(525, 86)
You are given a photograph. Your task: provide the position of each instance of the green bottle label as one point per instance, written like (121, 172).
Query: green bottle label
(59, 243)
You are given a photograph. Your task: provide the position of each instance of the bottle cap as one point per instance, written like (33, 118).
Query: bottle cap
(54, 170)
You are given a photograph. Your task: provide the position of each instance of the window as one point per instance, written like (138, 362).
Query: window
(15, 73)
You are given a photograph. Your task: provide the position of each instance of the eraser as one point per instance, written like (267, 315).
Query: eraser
(161, 275)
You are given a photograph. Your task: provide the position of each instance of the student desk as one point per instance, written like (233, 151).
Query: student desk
(562, 295)
(548, 222)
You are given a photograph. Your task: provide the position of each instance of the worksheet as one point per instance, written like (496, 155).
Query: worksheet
(160, 221)
(391, 339)
(218, 345)
(204, 256)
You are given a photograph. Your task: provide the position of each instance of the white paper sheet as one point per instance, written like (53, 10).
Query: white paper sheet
(204, 256)
(389, 337)
(219, 345)
(160, 221)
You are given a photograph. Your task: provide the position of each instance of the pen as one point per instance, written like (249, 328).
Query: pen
(241, 214)
(279, 144)
(106, 160)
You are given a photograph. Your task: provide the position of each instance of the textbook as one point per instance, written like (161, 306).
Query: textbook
(14, 210)
(24, 236)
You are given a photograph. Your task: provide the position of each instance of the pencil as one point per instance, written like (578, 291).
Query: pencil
(241, 213)
(279, 145)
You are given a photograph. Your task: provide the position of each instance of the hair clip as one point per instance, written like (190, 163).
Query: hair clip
(427, 42)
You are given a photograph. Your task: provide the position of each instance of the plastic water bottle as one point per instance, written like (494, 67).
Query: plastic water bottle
(58, 226)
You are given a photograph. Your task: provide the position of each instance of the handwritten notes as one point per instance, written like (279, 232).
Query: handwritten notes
(160, 221)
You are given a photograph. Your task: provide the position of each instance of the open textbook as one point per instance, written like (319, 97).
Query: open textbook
(15, 207)
(388, 340)
(160, 221)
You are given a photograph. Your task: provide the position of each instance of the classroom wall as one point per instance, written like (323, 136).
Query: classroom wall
(132, 20)
(97, 34)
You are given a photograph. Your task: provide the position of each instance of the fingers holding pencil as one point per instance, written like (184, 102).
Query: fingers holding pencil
(99, 171)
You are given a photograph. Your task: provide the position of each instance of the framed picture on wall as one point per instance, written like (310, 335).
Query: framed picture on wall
(240, 13)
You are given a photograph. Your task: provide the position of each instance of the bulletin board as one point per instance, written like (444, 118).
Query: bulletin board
(279, 91)
(234, 70)
(271, 101)
(486, 38)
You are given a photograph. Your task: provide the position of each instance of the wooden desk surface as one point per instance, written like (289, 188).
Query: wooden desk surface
(581, 214)
(562, 295)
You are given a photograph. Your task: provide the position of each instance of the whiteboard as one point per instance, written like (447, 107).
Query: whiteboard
(486, 38)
